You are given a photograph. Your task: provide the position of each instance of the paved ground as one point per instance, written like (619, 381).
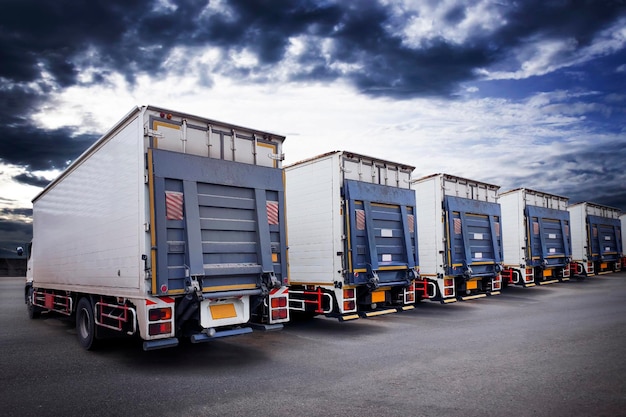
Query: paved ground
(557, 350)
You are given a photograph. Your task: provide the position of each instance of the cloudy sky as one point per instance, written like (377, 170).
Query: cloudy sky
(515, 93)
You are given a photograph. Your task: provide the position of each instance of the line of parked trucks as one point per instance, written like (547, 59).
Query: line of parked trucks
(175, 226)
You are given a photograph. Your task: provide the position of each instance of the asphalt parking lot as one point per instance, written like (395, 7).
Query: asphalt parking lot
(555, 350)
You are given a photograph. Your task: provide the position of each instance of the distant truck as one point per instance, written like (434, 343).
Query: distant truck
(352, 236)
(622, 219)
(536, 241)
(170, 226)
(459, 237)
(596, 239)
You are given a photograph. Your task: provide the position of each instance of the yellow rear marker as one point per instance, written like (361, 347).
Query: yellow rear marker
(208, 290)
(379, 313)
(349, 317)
(473, 297)
(378, 297)
(223, 311)
(552, 281)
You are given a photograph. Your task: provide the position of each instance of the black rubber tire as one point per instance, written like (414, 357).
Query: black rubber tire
(85, 324)
(33, 311)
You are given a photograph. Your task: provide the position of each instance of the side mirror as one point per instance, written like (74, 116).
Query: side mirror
(20, 251)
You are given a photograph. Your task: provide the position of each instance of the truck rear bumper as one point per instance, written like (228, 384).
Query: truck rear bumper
(203, 337)
(160, 343)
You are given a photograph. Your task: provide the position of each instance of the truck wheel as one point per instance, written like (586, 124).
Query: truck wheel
(85, 324)
(33, 311)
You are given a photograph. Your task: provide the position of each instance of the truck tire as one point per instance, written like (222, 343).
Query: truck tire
(85, 324)
(33, 311)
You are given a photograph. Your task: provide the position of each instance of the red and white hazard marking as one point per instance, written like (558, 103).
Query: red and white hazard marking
(173, 205)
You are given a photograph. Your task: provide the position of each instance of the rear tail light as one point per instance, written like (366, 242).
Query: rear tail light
(496, 283)
(278, 305)
(160, 328)
(530, 275)
(279, 314)
(157, 314)
(349, 300)
(448, 287)
(279, 302)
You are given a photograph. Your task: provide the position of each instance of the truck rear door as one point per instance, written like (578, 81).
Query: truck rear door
(548, 235)
(217, 220)
(605, 238)
(473, 235)
(381, 231)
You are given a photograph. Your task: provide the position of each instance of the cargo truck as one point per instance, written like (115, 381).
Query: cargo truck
(536, 240)
(171, 226)
(352, 236)
(596, 239)
(460, 252)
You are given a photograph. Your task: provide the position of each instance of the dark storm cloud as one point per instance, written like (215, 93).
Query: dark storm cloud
(25, 144)
(30, 179)
(592, 173)
(61, 37)
(558, 19)
(44, 46)
(17, 212)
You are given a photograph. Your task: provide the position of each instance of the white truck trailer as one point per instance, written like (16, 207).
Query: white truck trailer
(459, 237)
(596, 239)
(352, 236)
(170, 226)
(622, 219)
(536, 242)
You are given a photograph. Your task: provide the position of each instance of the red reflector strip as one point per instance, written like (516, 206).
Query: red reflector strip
(173, 205)
(411, 220)
(457, 226)
(360, 219)
(272, 212)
